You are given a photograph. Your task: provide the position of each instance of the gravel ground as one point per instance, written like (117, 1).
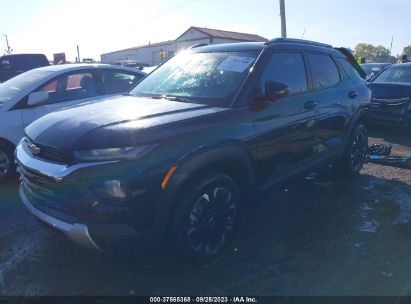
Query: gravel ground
(322, 235)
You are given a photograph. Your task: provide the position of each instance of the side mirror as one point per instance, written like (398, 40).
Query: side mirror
(276, 90)
(37, 98)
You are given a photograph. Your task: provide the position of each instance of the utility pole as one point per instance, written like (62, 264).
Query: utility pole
(283, 21)
(392, 40)
(78, 54)
(9, 49)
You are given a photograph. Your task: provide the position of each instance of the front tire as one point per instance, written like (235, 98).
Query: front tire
(7, 166)
(206, 218)
(356, 152)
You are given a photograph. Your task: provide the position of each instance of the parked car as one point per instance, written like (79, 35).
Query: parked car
(13, 65)
(149, 69)
(391, 93)
(37, 92)
(181, 157)
(374, 69)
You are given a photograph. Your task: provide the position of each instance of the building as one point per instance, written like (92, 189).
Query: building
(155, 53)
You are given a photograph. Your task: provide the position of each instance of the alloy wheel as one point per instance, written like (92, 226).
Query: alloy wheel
(4, 164)
(211, 221)
(358, 151)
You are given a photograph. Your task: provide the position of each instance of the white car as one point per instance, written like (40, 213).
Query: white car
(38, 92)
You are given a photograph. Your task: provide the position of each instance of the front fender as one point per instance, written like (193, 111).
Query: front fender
(192, 164)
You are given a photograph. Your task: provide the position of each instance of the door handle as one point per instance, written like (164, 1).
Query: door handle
(309, 105)
(352, 94)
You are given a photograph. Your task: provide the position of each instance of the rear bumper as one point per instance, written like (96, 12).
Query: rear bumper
(77, 232)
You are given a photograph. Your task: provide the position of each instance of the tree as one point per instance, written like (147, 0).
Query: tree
(407, 51)
(372, 53)
(382, 54)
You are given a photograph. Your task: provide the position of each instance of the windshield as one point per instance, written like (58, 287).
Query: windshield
(16, 85)
(368, 68)
(210, 78)
(398, 73)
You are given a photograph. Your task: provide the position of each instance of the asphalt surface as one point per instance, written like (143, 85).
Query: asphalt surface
(321, 235)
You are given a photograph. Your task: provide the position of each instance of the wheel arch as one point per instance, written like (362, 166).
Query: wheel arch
(7, 142)
(358, 118)
(231, 159)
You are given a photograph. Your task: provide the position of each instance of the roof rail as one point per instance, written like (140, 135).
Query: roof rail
(299, 41)
(197, 45)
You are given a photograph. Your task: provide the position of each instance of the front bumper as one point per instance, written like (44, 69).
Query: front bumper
(57, 195)
(77, 232)
(390, 111)
(388, 116)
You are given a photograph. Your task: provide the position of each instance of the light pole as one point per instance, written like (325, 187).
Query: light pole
(283, 21)
(78, 54)
(9, 49)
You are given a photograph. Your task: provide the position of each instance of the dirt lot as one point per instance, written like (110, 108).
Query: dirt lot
(321, 235)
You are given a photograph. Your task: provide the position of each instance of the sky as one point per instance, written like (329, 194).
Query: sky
(97, 27)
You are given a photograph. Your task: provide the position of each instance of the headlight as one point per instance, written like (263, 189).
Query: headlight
(114, 153)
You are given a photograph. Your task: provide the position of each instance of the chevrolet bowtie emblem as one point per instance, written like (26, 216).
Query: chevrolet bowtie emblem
(34, 149)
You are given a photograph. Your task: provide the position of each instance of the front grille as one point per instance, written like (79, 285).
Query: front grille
(388, 108)
(53, 154)
(45, 194)
(390, 103)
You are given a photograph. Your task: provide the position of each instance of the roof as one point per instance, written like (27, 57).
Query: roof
(298, 41)
(209, 32)
(143, 46)
(407, 64)
(280, 44)
(17, 55)
(230, 47)
(82, 66)
(227, 34)
(375, 63)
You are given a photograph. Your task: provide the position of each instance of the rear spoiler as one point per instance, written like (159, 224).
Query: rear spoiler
(352, 61)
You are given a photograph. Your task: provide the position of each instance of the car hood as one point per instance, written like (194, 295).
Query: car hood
(390, 90)
(116, 122)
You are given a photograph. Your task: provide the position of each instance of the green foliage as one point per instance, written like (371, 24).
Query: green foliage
(407, 50)
(373, 53)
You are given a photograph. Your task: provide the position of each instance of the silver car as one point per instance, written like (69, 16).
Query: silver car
(38, 92)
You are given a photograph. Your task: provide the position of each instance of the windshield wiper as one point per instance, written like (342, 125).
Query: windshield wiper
(173, 98)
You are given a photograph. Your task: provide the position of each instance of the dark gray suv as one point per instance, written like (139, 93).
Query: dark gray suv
(181, 156)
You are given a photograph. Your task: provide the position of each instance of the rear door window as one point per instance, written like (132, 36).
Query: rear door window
(71, 86)
(324, 71)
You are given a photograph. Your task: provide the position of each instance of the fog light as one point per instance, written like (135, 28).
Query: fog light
(115, 189)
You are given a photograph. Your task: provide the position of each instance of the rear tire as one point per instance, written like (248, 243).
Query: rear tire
(356, 152)
(7, 166)
(206, 218)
